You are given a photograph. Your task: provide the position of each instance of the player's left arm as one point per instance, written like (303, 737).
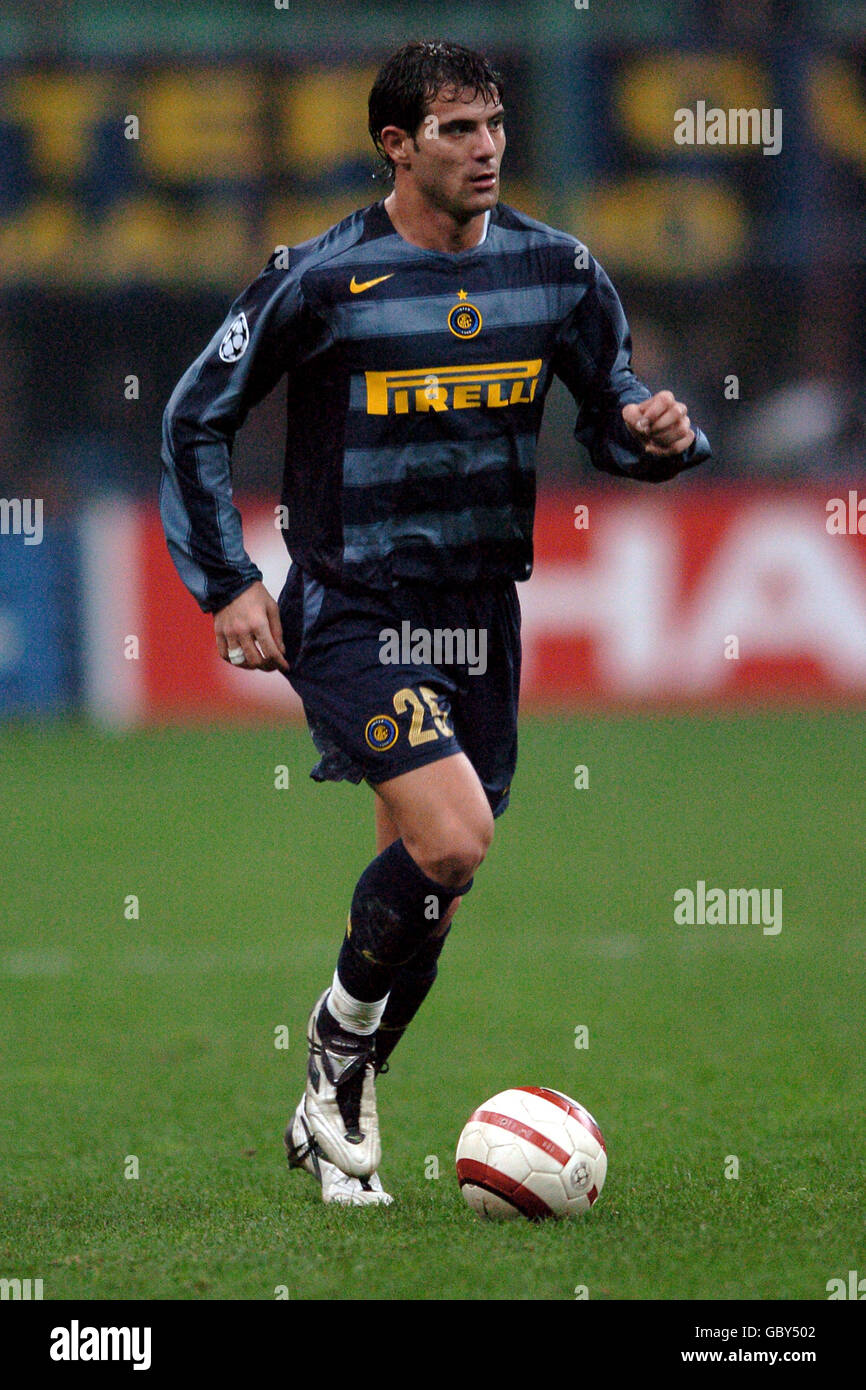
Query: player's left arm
(625, 428)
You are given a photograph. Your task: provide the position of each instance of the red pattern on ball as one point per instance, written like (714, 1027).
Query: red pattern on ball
(570, 1107)
(469, 1170)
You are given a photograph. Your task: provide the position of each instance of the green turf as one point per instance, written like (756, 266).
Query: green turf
(155, 1037)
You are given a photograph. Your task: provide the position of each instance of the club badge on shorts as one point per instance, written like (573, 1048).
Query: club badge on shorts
(464, 320)
(381, 732)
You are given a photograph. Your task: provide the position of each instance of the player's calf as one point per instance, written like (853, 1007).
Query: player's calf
(410, 989)
(395, 910)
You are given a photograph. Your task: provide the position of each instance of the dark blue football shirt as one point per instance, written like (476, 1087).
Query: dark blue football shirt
(415, 385)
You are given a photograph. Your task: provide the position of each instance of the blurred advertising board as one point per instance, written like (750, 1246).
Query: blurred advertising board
(118, 169)
(38, 587)
(699, 597)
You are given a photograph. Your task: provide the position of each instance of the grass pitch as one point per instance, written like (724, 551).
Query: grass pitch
(148, 1044)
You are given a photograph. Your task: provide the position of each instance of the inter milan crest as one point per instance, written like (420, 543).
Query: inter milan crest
(464, 320)
(381, 732)
(234, 343)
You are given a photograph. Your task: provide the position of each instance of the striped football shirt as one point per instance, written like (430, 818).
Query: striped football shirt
(415, 383)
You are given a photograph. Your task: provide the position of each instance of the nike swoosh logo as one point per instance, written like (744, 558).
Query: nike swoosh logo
(368, 284)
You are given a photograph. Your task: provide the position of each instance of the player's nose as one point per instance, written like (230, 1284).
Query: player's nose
(486, 145)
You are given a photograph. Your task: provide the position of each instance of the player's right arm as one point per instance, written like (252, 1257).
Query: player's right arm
(252, 623)
(266, 330)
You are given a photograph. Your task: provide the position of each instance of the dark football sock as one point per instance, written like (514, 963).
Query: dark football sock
(394, 910)
(411, 986)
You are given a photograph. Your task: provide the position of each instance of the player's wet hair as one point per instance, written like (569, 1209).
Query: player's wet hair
(415, 75)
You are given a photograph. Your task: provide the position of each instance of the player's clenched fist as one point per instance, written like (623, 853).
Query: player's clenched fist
(661, 424)
(249, 632)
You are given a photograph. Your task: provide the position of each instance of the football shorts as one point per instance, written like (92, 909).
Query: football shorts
(392, 681)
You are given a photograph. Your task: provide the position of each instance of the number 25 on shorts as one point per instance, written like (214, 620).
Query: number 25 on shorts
(407, 699)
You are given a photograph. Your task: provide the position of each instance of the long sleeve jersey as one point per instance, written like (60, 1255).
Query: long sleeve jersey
(415, 386)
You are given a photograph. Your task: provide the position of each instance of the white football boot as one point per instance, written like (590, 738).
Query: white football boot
(303, 1151)
(341, 1098)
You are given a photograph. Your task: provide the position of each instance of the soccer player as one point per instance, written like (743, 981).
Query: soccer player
(418, 339)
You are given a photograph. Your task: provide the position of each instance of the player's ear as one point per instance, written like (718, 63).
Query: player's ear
(395, 142)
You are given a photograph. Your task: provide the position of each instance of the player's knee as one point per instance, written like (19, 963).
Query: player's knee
(451, 853)
(452, 868)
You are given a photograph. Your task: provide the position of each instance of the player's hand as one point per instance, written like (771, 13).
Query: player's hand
(661, 424)
(251, 624)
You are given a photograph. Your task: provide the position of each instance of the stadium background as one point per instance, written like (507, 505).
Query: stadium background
(741, 272)
(122, 242)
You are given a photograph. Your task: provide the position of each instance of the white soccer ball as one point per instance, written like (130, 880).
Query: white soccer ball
(531, 1152)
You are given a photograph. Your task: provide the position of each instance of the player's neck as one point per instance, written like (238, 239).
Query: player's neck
(432, 228)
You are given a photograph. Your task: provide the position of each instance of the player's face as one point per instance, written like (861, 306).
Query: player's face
(456, 154)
